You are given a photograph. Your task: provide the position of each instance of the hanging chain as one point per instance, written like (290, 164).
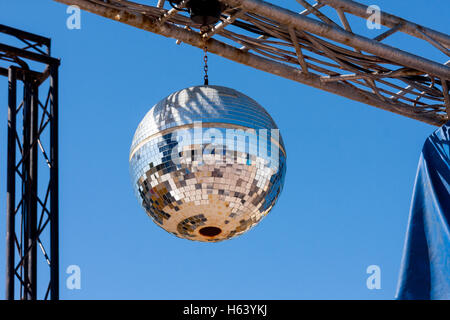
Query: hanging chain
(205, 68)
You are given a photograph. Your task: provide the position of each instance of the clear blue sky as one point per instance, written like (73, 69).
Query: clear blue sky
(345, 203)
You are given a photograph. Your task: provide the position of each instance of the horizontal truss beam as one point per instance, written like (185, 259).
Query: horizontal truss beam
(390, 21)
(25, 35)
(289, 18)
(309, 48)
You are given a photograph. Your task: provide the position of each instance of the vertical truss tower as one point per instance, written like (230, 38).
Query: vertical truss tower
(32, 165)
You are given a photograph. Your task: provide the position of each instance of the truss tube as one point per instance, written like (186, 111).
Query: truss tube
(390, 20)
(32, 181)
(54, 184)
(11, 184)
(27, 54)
(26, 189)
(289, 18)
(25, 35)
(252, 60)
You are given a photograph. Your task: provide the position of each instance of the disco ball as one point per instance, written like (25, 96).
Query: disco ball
(207, 163)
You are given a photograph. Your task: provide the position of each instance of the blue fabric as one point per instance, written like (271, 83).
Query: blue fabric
(425, 268)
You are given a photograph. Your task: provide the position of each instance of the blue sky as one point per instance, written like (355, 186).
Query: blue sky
(345, 203)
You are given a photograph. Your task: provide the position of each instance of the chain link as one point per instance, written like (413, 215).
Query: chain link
(205, 68)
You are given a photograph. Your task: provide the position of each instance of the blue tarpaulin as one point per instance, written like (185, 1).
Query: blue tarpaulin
(425, 267)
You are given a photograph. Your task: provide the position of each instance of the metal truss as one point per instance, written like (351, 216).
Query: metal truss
(316, 46)
(32, 152)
